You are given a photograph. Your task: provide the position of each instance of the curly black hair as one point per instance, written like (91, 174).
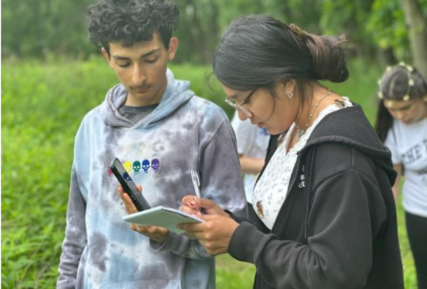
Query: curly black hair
(131, 21)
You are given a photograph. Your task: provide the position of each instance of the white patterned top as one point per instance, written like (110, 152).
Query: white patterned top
(271, 189)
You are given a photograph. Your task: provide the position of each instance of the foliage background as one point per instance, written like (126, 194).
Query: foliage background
(52, 76)
(376, 28)
(42, 106)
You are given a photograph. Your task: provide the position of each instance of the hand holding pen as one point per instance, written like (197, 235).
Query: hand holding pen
(215, 232)
(198, 206)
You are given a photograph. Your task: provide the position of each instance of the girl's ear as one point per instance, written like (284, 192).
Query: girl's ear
(289, 88)
(290, 85)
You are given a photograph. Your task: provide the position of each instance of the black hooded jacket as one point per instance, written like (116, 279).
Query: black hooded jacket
(337, 228)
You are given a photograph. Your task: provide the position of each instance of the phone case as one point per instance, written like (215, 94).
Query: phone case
(128, 185)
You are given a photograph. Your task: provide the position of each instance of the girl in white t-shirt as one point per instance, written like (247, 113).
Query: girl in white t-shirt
(402, 126)
(252, 145)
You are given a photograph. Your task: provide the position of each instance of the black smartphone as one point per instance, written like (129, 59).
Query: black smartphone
(128, 185)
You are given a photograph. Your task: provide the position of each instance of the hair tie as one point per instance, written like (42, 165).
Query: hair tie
(298, 31)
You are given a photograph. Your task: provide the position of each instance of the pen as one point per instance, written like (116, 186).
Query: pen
(196, 182)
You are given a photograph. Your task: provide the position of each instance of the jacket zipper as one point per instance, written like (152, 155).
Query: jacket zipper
(310, 157)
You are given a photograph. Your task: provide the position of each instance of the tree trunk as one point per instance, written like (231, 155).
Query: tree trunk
(416, 24)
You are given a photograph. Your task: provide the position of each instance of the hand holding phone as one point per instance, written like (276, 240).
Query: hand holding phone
(128, 185)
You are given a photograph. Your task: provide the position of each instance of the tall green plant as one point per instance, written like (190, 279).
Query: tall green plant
(387, 27)
(33, 28)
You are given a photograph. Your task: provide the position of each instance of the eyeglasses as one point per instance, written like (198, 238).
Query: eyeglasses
(239, 106)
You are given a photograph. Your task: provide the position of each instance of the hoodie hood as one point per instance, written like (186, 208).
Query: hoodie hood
(351, 127)
(177, 93)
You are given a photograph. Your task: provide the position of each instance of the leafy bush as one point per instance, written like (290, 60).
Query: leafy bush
(42, 106)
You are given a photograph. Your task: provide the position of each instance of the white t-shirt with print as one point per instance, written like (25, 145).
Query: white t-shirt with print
(408, 146)
(251, 142)
(272, 188)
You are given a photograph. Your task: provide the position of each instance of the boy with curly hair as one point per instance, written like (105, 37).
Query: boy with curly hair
(160, 131)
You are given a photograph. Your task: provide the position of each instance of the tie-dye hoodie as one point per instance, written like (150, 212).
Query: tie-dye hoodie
(184, 132)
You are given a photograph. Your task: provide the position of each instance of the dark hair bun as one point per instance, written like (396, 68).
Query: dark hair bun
(328, 57)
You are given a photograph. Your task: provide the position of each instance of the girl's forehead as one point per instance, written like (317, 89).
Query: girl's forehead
(396, 103)
(232, 93)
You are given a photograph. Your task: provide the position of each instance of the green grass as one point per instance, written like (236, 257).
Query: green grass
(407, 260)
(42, 106)
(232, 274)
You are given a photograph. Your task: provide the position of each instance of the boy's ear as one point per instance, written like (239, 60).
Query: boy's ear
(105, 54)
(173, 47)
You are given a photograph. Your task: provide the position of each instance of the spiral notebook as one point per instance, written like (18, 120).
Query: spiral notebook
(165, 217)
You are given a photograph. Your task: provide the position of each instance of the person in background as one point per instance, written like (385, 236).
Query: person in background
(323, 209)
(161, 131)
(402, 125)
(252, 145)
